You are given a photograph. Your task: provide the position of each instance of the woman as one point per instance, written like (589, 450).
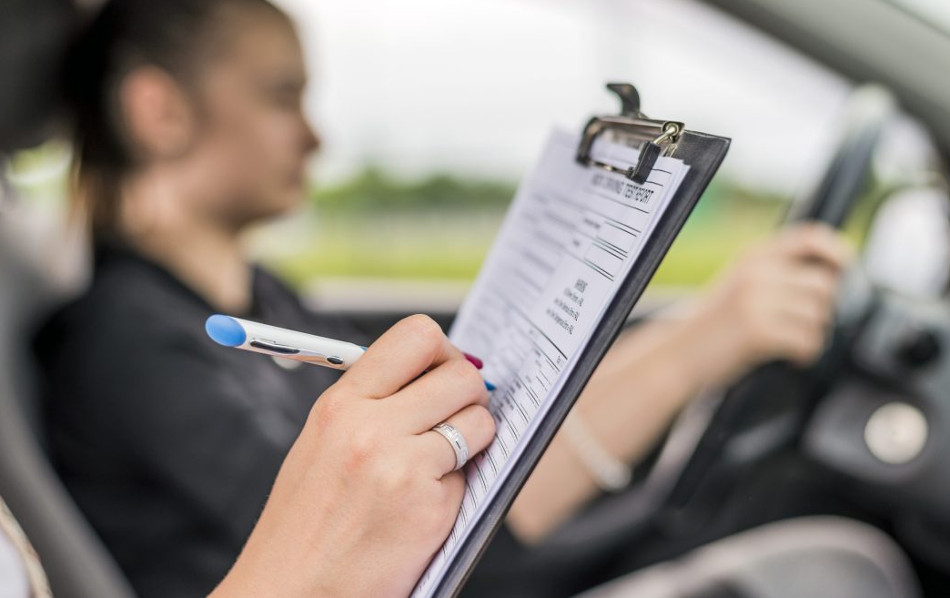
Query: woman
(169, 444)
(189, 129)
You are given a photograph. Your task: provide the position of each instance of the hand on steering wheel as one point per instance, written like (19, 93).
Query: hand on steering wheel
(775, 303)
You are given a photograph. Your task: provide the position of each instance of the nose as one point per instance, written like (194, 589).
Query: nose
(311, 139)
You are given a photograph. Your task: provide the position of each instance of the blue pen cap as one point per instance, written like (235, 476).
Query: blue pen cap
(225, 330)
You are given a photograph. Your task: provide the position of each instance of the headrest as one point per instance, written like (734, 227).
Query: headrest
(34, 35)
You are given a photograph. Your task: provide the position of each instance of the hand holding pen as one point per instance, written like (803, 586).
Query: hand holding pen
(370, 470)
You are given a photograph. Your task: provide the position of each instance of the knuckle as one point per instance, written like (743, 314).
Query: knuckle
(464, 372)
(806, 240)
(394, 479)
(362, 448)
(423, 328)
(327, 410)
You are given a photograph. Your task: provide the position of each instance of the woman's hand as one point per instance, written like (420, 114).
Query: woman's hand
(776, 302)
(367, 493)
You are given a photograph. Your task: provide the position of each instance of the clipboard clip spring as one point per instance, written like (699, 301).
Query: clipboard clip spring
(632, 124)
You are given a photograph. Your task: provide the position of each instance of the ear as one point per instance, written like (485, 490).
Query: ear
(158, 116)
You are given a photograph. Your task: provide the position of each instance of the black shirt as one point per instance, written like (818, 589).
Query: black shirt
(168, 442)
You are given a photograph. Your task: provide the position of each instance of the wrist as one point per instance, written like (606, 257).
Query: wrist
(268, 566)
(244, 581)
(609, 473)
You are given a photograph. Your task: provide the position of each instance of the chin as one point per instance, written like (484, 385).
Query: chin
(270, 203)
(281, 204)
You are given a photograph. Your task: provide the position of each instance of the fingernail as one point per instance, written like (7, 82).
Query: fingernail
(474, 360)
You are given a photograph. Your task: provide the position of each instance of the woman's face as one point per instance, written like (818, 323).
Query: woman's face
(252, 139)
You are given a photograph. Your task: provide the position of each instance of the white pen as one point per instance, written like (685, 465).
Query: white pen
(290, 344)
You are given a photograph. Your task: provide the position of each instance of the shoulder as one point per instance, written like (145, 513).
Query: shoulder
(125, 297)
(129, 312)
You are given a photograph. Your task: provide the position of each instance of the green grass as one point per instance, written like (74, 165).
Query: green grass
(718, 231)
(450, 242)
(338, 254)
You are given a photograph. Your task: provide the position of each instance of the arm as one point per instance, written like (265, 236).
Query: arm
(775, 303)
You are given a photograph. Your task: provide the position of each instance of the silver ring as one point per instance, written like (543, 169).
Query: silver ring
(456, 440)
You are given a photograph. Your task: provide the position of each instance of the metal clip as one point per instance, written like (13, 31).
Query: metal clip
(631, 122)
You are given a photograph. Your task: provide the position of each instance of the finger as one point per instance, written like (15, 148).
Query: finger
(436, 395)
(807, 313)
(807, 346)
(398, 357)
(813, 281)
(800, 335)
(816, 241)
(476, 425)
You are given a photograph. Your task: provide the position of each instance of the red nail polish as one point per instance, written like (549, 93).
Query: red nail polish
(475, 360)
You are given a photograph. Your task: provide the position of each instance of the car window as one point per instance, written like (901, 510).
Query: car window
(431, 112)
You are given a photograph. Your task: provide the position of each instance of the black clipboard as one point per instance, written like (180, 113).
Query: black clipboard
(703, 153)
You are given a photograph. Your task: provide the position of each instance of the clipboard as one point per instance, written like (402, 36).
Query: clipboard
(703, 153)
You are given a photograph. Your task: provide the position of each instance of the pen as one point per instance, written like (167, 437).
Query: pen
(281, 342)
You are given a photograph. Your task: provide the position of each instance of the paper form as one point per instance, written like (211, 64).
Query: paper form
(568, 241)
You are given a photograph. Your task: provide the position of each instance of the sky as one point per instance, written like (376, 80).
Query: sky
(473, 86)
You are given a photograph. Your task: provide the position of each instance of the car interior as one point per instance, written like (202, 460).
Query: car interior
(863, 433)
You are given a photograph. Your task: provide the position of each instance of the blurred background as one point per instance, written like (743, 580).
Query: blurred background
(431, 112)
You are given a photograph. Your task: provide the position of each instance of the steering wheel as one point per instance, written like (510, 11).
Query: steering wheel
(734, 427)
(761, 427)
